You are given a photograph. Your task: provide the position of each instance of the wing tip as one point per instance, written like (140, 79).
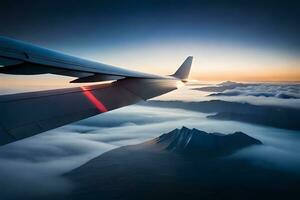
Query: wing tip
(184, 70)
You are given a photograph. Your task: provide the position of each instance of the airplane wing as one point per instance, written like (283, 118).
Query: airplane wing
(27, 114)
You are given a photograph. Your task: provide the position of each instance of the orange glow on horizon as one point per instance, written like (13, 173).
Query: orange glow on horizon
(35, 83)
(263, 75)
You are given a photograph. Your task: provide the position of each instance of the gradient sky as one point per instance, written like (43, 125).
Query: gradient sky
(230, 40)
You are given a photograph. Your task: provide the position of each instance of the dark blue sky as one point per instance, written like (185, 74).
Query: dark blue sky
(113, 23)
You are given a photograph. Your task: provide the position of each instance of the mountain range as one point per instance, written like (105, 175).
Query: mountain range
(274, 116)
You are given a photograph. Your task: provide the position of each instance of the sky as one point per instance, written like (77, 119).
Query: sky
(230, 40)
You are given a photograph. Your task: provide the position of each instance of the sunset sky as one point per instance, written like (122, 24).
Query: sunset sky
(230, 40)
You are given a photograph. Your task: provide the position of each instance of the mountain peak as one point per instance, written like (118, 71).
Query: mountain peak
(228, 83)
(187, 140)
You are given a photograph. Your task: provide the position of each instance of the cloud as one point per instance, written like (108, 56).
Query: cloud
(221, 87)
(284, 95)
(32, 168)
(128, 116)
(229, 88)
(264, 90)
(272, 158)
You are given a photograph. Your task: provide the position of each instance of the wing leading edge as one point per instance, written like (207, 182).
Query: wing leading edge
(23, 58)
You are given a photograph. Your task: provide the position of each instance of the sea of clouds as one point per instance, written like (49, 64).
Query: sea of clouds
(287, 95)
(264, 90)
(33, 167)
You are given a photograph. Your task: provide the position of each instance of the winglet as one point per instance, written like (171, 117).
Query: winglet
(184, 70)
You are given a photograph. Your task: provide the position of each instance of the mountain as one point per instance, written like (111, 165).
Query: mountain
(189, 141)
(227, 85)
(182, 164)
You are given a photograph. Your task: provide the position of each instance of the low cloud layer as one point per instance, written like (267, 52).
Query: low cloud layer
(32, 168)
(264, 90)
(286, 95)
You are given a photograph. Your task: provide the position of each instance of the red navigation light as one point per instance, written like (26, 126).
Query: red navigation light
(91, 97)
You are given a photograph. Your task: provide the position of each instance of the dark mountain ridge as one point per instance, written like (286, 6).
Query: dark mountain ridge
(186, 140)
(274, 116)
